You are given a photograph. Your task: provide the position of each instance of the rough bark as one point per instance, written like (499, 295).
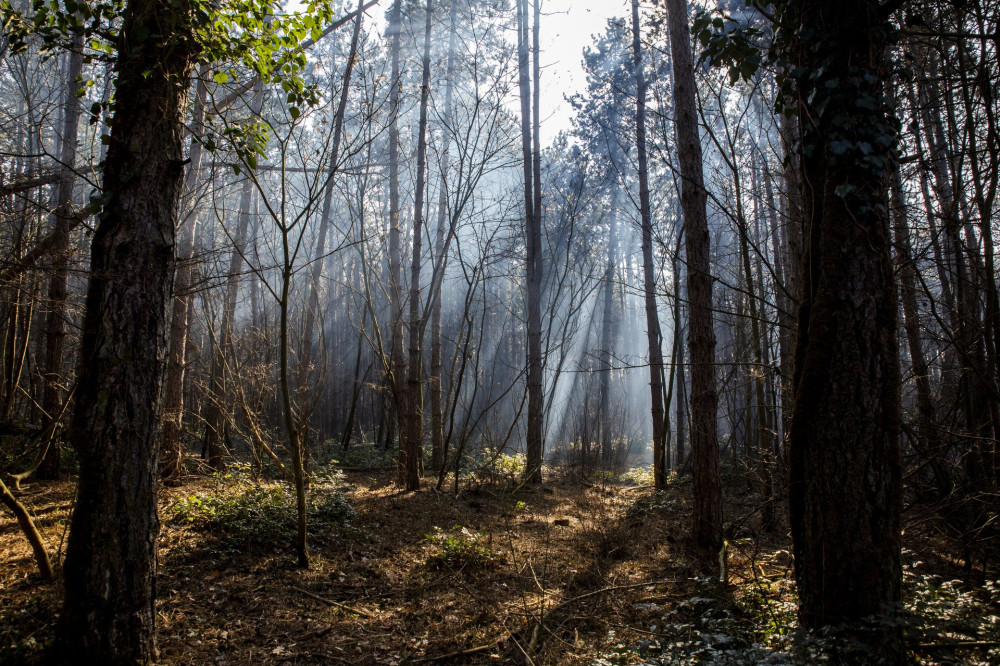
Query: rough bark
(707, 528)
(108, 616)
(844, 466)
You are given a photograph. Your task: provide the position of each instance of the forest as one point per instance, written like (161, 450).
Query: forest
(327, 336)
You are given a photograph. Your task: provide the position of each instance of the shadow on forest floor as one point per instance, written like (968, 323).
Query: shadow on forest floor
(563, 574)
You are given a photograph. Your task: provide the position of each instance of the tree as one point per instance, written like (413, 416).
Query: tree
(653, 334)
(411, 418)
(533, 240)
(707, 529)
(108, 615)
(845, 481)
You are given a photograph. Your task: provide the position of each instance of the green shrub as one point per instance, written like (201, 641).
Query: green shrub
(755, 623)
(638, 476)
(460, 548)
(244, 513)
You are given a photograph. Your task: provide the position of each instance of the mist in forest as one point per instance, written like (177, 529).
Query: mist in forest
(741, 256)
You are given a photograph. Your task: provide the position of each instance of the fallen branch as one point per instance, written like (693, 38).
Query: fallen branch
(30, 531)
(536, 634)
(959, 644)
(335, 604)
(48, 436)
(465, 653)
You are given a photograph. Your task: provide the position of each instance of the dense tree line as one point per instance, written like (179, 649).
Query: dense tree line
(235, 231)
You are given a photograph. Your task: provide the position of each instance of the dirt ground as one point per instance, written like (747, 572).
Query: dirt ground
(561, 573)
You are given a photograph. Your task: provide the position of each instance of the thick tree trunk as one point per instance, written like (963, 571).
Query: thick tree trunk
(108, 615)
(707, 529)
(845, 480)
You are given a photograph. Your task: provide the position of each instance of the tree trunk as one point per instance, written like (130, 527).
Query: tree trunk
(707, 529)
(397, 361)
(610, 323)
(931, 440)
(412, 419)
(437, 368)
(677, 362)
(533, 273)
(844, 465)
(653, 334)
(319, 257)
(108, 616)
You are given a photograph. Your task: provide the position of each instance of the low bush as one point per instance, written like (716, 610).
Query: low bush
(460, 548)
(245, 513)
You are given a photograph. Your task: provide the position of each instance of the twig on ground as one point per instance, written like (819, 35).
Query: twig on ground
(335, 604)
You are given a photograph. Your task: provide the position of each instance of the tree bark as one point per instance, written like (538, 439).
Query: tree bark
(707, 528)
(533, 272)
(653, 334)
(108, 616)
(397, 361)
(412, 419)
(610, 324)
(844, 465)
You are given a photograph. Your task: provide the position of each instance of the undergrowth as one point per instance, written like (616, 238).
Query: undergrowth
(460, 548)
(755, 623)
(248, 514)
(366, 456)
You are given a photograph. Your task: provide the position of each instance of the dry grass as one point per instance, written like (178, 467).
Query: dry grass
(554, 575)
(566, 565)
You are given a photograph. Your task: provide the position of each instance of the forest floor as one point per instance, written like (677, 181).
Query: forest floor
(561, 574)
